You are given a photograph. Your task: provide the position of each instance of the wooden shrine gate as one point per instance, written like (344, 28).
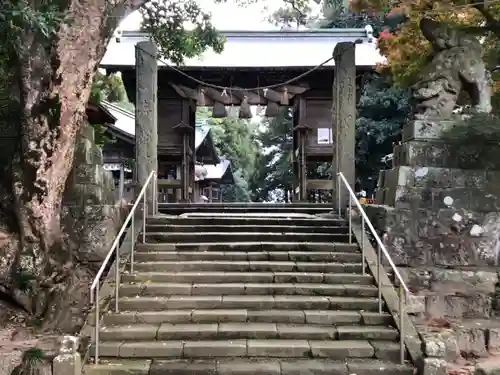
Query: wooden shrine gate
(166, 97)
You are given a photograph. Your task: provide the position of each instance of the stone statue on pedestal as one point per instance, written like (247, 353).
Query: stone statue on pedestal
(457, 65)
(441, 216)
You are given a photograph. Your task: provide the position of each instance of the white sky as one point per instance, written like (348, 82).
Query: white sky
(226, 16)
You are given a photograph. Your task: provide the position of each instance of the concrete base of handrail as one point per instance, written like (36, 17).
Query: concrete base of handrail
(412, 339)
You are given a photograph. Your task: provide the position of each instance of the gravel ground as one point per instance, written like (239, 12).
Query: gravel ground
(16, 338)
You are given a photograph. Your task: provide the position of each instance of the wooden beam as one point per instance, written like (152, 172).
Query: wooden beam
(253, 98)
(218, 96)
(234, 97)
(320, 184)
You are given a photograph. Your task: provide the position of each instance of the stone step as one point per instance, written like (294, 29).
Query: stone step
(208, 208)
(231, 227)
(265, 206)
(217, 237)
(254, 221)
(247, 266)
(334, 349)
(250, 302)
(247, 330)
(210, 289)
(249, 277)
(249, 246)
(248, 366)
(323, 256)
(325, 317)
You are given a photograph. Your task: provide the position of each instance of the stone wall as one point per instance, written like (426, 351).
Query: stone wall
(441, 225)
(91, 219)
(91, 212)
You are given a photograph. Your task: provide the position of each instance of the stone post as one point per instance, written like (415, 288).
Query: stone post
(68, 361)
(344, 117)
(146, 116)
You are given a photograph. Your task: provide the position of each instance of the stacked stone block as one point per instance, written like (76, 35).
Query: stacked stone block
(441, 224)
(91, 215)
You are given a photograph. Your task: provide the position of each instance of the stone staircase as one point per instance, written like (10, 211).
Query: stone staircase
(264, 295)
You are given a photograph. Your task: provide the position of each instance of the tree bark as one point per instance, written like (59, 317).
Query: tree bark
(54, 80)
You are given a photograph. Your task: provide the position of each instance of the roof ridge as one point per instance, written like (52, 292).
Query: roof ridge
(118, 108)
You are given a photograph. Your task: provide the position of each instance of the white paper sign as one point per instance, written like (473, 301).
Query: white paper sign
(325, 136)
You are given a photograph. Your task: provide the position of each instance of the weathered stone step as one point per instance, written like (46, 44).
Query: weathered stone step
(211, 289)
(324, 256)
(335, 349)
(250, 302)
(255, 221)
(169, 209)
(244, 266)
(265, 206)
(236, 331)
(248, 366)
(217, 237)
(325, 317)
(249, 246)
(249, 277)
(231, 227)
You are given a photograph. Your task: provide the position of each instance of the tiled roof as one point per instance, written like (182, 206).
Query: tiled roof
(125, 120)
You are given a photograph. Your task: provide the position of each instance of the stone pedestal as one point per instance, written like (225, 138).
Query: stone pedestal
(344, 115)
(146, 116)
(441, 221)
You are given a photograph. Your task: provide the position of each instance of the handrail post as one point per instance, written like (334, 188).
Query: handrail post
(132, 244)
(363, 270)
(402, 303)
(144, 215)
(155, 194)
(339, 186)
(97, 327)
(117, 277)
(379, 286)
(350, 219)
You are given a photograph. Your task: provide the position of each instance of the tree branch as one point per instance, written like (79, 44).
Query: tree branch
(492, 24)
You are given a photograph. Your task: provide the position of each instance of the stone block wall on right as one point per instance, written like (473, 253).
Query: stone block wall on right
(441, 225)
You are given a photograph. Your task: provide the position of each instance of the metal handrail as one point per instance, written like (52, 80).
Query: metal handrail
(403, 288)
(94, 288)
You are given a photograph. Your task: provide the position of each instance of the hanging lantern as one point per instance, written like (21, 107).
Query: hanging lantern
(201, 98)
(245, 111)
(284, 97)
(272, 109)
(219, 110)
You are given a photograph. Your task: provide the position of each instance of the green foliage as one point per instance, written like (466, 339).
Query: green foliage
(16, 16)
(108, 87)
(382, 112)
(475, 142)
(30, 363)
(23, 279)
(234, 139)
(294, 13)
(101, 135)
(180, 29)
(274, 174)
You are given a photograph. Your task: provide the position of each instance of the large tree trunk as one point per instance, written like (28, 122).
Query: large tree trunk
(54, 81)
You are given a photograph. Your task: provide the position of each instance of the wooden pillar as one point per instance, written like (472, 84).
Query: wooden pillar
(121, 186)
(344, 117)
(302, 166)
(185, 168)
(146, 116)
(210, 192)
(178, 191)
(301, 130)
